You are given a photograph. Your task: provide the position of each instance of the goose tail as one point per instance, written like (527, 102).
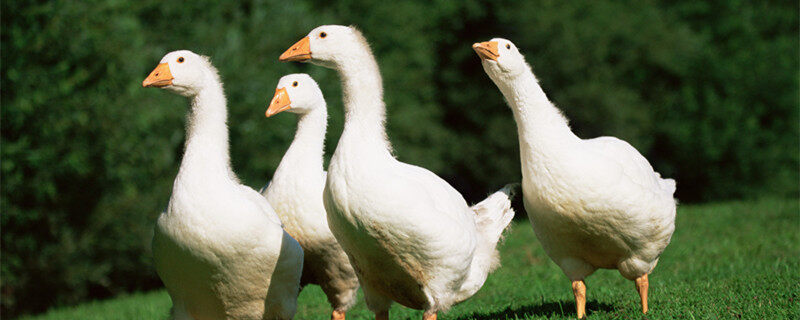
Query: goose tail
(493, 215)
(668, 185)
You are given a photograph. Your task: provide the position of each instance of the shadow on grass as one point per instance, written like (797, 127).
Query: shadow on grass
(548, 309)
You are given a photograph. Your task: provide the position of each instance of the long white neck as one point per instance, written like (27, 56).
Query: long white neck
(541, 127)
(365, 111)
(305, 154)
(207, 151)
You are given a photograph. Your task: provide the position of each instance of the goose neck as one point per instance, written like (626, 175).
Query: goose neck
(307, 149)
(365, 111)
(540, 125)
(532, 110)
(207, 134)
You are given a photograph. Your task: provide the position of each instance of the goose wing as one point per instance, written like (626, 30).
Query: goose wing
(630, 163)
(261, 203)
(434, 192)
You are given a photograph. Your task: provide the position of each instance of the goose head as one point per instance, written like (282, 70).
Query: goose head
(500, 59)
(183, 72)
(328, 46)
(297, 93)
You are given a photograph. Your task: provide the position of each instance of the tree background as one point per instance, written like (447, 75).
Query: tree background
(707, 90)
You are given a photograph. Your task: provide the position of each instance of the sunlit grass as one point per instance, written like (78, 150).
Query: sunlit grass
(726, 260)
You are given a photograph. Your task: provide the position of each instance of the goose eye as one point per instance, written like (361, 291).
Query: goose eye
(294, 84)
(508, 46)
(323, 34)
(180, 60)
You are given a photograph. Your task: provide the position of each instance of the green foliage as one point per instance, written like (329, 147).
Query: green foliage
(726, 260)
(708, 91)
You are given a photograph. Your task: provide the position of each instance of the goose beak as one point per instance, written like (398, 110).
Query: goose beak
(160, 77)
(280, 102)
(486, 50)
(300, 51)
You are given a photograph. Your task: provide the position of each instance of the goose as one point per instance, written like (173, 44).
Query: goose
(593, 203)
(410, 236)
(296, 193)
(219, 247)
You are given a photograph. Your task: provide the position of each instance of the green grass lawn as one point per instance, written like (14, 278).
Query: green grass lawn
(726, 260)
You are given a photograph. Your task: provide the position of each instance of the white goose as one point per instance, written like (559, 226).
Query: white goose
(296, 193)
(410, 236)
(219, 247)
(593, 203)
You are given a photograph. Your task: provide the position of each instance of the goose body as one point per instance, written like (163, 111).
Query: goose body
(296, 193)
(219, 247)
(410, 236)
(594, 203)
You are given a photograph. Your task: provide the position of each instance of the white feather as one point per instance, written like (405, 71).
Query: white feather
(296, 193)
(219, 247)
(593, 203)
(412, 238)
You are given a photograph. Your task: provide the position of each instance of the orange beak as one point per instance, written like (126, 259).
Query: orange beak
(280, 102)
(486, 50)
(300, 51)
(160, 77)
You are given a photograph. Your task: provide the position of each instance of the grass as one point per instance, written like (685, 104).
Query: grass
(726, 260)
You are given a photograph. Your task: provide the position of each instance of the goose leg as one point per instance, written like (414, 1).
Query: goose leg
(431, 316)
(642, 284)
(383, 315)
(337, 315)
(579, 290)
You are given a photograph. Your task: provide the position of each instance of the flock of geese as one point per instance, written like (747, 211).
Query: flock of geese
(398, 231)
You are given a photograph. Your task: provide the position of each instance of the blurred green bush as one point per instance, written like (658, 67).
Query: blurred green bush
(708, 91)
